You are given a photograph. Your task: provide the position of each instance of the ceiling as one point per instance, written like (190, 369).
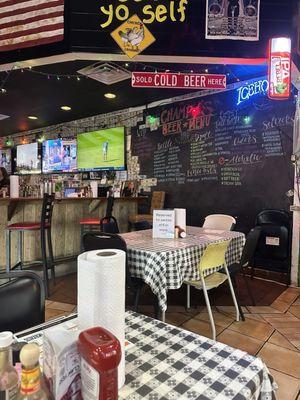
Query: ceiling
(40, 93)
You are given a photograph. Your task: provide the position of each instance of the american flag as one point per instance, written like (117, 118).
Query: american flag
(27, 23)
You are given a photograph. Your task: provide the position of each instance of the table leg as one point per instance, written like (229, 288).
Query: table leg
(163, 313)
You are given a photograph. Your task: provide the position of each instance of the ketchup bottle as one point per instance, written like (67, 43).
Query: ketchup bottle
(100, 353)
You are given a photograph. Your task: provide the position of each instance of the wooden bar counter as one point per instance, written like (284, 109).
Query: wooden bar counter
(65, 222)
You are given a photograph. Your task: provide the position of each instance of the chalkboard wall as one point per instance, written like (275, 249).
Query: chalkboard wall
(211, 156)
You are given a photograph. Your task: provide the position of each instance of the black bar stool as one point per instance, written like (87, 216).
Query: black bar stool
(43, 226)
(94, 224)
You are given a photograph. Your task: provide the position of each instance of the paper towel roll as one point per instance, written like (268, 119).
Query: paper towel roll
(180, 221)
(101, 295)
(14, 186)
(94, 187)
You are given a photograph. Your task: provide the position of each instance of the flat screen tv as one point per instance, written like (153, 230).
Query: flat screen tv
(59, 155)
(28, 159)
(102, 150)
(5, 159)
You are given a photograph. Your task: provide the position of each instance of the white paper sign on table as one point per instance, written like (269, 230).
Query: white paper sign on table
(163, 224)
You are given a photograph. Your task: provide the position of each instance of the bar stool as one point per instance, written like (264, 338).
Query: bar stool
(157, 203)
(43, 226)
(93, 224)
(88, 225)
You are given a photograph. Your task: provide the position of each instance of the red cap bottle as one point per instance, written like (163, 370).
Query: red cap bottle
(100, 354)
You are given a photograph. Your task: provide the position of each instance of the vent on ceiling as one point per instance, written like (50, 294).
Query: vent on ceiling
(2, 116)
(105, 73)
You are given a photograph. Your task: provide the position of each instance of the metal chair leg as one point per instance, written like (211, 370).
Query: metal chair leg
(248, 287)
(51, 258)
(20, 249)
(156, 307)
(233, 279)
(45, 265)
(137, 299)
(8, 250)
(233, 294)
(81, 238)
(188, 297)
(210, 314)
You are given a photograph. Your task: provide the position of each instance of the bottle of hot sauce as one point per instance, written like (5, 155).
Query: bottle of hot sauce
(100, 353)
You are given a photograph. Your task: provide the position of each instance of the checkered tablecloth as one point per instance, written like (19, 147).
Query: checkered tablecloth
(166, 362)
(166, 263)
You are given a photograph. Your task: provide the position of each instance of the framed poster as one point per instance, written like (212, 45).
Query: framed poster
(232, 19)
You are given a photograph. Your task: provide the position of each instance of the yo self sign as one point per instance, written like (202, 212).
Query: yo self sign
(169, 80)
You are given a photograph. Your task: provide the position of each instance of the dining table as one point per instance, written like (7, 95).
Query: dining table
(164, 362)
(164, 264)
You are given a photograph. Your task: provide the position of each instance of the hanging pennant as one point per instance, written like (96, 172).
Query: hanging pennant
(232, 19)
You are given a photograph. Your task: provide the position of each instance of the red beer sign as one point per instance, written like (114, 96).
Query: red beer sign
(168, 80)
(280, 68)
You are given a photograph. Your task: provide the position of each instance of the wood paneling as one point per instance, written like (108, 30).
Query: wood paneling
(65, 223)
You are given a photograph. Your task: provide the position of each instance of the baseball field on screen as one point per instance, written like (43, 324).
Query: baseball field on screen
(91, 153)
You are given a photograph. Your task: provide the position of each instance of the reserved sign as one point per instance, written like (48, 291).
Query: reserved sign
(163, 224)
(170, 80)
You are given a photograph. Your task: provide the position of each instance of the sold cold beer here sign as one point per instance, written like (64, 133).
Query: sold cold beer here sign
(170, 80)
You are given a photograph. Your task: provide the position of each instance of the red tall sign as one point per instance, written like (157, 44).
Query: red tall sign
(168, 80)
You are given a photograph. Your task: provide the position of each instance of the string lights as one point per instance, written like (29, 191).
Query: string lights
(133, 66)
(40, 138)
(9, 142)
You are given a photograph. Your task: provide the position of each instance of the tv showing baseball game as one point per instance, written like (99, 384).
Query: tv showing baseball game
(59, 155)
(5, 159)
(101, 150)
(28, 159)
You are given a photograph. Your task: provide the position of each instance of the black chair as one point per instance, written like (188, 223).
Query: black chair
(102, 240)
(142, 225)
(44, 226)
(109, 206)
(109, 224)
(245, 261)
(22, 300)
(274, 247)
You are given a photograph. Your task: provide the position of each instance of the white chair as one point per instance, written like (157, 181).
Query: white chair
(220, 222)
(213, 257)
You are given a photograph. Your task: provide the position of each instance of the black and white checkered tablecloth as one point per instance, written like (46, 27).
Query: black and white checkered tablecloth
(166, 263)
(166, 362)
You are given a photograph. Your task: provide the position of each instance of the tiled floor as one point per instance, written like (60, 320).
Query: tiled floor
(270, 332)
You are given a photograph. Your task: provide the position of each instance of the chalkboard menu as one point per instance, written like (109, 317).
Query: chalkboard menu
(211, 156)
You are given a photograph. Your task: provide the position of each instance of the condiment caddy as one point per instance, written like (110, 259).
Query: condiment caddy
(76, 365)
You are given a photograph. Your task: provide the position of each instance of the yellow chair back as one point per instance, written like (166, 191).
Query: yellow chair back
(214, 255)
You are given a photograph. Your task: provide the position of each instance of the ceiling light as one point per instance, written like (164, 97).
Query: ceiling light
(110, 95)
(65, 108)
(33, 117)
